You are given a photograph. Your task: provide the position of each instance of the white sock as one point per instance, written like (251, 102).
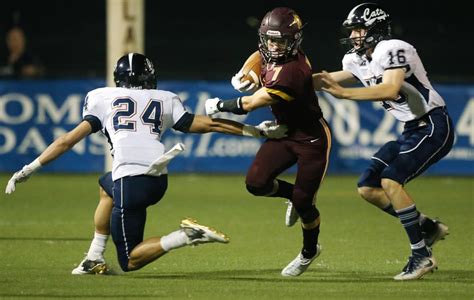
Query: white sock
(174, 240)
(97, 248)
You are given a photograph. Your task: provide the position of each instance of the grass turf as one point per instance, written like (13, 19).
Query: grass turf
(47, 224)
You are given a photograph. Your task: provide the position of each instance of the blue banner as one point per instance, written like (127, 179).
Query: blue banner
(34, 113)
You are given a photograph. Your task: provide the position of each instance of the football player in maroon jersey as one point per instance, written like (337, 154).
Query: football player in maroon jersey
(288, 89)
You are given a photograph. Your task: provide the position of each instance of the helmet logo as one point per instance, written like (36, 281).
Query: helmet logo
(371, 16)
(274, 33)
(297, 21)
(150, 66)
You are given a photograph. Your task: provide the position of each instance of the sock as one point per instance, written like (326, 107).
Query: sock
(97, 248)
(389, 210)
(285, 189)
(174, 240)
(310, 240)
(427, 225)
(409, 217)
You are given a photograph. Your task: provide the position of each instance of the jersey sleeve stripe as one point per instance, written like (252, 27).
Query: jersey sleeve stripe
(94, 121)
(407, 68)
(280, 94)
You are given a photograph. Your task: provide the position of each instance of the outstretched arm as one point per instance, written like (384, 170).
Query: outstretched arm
(204, 124)
(388, 89)
(241, 105)
(54, 150)
(342, 77)
(65, 142)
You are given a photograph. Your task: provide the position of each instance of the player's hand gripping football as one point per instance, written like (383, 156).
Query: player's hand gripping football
(245, 86)
(21, 176)
(272, 130)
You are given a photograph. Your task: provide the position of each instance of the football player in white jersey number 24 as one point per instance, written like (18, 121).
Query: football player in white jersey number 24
(392, 73)
(133, 116)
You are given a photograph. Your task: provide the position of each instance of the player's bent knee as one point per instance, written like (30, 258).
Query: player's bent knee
(307, 215)
(389, 185)
(365, 192)
(259, 190)
(124, 264)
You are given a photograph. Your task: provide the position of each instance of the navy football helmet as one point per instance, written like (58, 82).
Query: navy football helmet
(374, 19)
(135, 70)
(283, 27)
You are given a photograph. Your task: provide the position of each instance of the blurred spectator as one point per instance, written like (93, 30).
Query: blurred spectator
(19, 63)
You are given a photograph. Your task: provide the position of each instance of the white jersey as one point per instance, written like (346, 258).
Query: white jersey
(417, 96)
(134, 121)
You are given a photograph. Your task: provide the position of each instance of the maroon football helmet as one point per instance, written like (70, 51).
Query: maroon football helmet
(280, 34)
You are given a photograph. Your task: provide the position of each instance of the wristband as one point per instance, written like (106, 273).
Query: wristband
(35, 165)
(233, 106)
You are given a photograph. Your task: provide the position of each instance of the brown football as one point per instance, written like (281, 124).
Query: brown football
(252, 68)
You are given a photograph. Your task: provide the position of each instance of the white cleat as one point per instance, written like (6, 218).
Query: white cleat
(199, 234)
(417, 267)
(291, 215)
(300, 264)
(88, 266)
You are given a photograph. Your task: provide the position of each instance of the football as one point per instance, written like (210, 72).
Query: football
(252, 68)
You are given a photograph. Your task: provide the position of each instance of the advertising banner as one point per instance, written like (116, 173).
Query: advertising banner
(34, 113)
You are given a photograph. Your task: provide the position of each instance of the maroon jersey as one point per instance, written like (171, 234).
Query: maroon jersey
(292, 84)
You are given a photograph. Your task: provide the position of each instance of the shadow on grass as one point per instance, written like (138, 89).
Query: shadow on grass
(48, 296)
(323, 276)
(28, 238)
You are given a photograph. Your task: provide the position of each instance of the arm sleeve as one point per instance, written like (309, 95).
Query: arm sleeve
(94, 122)
(184, 123)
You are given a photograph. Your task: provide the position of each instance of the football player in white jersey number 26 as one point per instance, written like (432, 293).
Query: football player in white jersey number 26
(392, 73)
(133, 116)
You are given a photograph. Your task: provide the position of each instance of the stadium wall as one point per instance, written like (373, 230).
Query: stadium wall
(33, 113)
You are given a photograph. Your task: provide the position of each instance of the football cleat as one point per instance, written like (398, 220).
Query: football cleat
(199, 234)
(291, 216)
(436, 235)
(298, 265)
(88, 266)
(417, 267)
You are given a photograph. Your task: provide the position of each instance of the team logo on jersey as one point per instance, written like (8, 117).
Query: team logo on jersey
(86, 103)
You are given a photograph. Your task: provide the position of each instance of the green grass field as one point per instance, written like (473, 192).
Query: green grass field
(47, 224)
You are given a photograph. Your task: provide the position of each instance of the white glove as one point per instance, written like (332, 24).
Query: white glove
(272, 130)
(211, 106)
(243, 87)
(22, 175)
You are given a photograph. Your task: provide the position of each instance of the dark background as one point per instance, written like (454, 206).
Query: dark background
(209, 40)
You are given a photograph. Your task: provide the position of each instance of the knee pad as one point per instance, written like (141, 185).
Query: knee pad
(308, 214)
(261, 190)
